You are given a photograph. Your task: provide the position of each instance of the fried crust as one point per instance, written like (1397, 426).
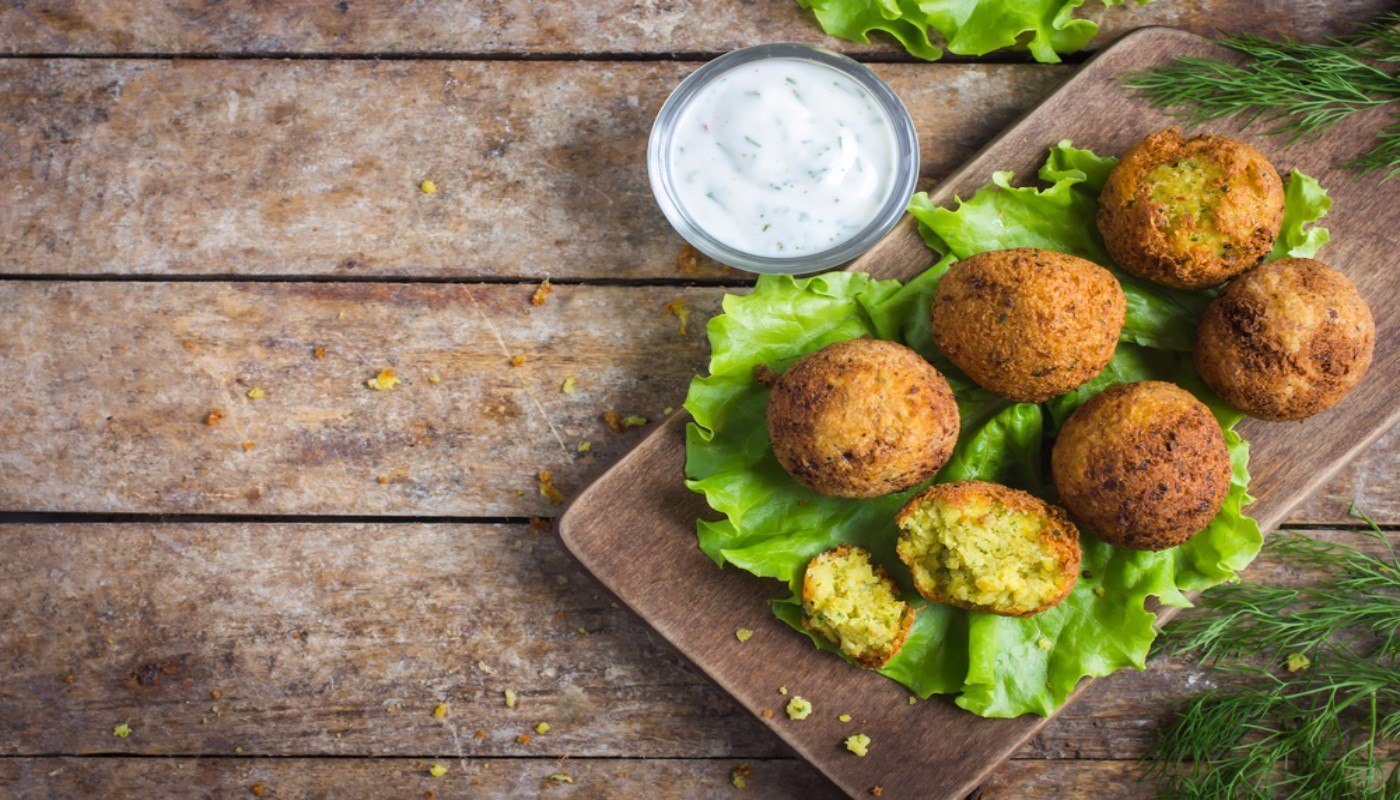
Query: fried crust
(1143, 465)
(1028, 324)
(1285, 340)
(1059, 535)
(1183, 237)
(862, 418)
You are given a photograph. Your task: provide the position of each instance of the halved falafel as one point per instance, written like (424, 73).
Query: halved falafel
(1285, 340)
(986, 547)
(1143, 465)
(1028, 324)
(855, 605)
(1190, 213)
(862, 418)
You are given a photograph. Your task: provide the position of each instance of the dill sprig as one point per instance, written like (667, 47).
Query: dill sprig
(1296, 90)
(1323, 727)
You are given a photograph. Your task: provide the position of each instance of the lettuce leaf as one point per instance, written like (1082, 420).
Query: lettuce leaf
(1046, 28)
(771, 526)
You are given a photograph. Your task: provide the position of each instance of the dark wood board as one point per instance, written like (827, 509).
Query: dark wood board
(634, 527)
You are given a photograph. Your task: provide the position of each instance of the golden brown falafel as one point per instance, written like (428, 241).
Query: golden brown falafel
(855, 605)
(1190, 213)
(862, 418)
(1143, 465)
(986, 547)
(1285, 340)
(1028, 324)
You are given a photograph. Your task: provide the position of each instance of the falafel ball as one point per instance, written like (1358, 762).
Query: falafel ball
(1285, 340)
(1143, 465)
(1028, 324)
(1190, 213)
(855, 605)
(987, 547)
(862, 418)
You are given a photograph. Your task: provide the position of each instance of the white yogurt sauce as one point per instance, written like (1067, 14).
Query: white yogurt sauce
(783, 158)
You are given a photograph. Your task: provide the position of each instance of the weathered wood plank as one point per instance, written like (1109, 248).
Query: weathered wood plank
(610, 26)
(111, 384)
(479, 779)
(313, 167)
(312, 633)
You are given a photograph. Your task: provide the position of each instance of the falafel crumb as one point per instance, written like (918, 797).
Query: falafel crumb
(765, 377)
(799, 708)
(437, 770)
(743, 634)
(213, 417)
(542, 293)
(877, 791)
(517, 361)
(739, 776)
(384, 381)
(512, 699)
(782, 690)
(427, 187)
(249, 446)
(858, 743)
(121, 730)
(585, 446)
(434, 378)
(440, 712)
(569, 385)
(319, 352)
(547, 488)
(619, 423)
(913, 699)
(844, 718)
(542, 728)
(689, 260)
(524, 738)
(680, 311)
(258, 789)
(562, 777)
(480, 734)
(767, 713)
(256, 394)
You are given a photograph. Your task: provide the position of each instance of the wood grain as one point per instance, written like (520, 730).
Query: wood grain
(478, 779)
(939, 750)
(107, 405)
(521, 27)
(339, 639)
(272, 168)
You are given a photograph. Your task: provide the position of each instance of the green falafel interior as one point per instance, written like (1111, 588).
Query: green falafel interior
(772, 526)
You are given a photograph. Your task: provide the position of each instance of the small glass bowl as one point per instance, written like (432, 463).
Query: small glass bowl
(901, 187)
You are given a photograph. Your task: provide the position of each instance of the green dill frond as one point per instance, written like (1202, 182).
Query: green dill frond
(1295, 90)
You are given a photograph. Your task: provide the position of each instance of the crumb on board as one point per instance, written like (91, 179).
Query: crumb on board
(383, 479)
(188, 345)
(249, 446)
(215, 694)
(845, 717)
(739, 776)
(427, 187)
(678, 309)
(782, 690)
(562, 777)
(799, 708)
(541, 524)
(569, 385)
(486, 668)
(121, 730)
(688, 261)
(384, 381)
(767, 713)
(512, 699)
(542, 728)
(480, 734)
(877, 791)
(524, 738)
(547, 488)
(517, 361)
(440, 711)
(213, 417)
(743, 634)
(913, 699)
(258, 789)
(666, 412)
(256, 394)
(619, 423)
(319, 352)
(542, 293)
(434, 378)
(437, 770)
(858, 743)
(585, 446)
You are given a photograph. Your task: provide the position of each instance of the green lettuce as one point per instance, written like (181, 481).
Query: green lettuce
(1046, 28)
(771, 526)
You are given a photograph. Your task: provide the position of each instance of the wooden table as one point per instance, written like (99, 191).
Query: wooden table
(204, 203)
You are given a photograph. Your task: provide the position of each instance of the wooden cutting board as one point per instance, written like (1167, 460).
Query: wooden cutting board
(634, 528)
